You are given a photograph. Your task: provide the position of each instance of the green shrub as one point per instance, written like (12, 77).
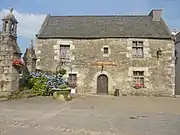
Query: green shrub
(64, 86)
(62, 72)
(39, 86)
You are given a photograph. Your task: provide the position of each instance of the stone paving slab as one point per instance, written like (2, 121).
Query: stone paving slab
(91, 115)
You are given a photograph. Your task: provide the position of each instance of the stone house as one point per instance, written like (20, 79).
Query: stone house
(9, 51)
(177, 67)
(132, 53)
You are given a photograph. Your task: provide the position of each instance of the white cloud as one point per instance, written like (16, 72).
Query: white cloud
(29, 24)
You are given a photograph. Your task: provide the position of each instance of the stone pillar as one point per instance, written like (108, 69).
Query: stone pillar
(9, 30)
(9, 75)
(4, 27)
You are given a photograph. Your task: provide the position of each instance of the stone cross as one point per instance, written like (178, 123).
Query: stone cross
(11, 10)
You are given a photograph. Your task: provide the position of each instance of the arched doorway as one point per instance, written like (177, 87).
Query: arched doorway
(102, 84)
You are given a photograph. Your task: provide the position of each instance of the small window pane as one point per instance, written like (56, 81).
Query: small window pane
(138, 78)
(140, 44)
(134, 43)
(105, 50)
(138, 73)
(139, 52)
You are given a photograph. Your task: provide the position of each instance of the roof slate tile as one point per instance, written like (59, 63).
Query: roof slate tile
(103, 26)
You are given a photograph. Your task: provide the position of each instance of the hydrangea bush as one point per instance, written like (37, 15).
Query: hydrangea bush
(43, 83)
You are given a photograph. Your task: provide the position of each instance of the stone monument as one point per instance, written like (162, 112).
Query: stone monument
(10, 57)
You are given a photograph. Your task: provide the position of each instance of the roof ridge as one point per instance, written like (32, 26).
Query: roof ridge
(99, 16)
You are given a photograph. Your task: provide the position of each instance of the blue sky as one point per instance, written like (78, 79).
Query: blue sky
(31, 13)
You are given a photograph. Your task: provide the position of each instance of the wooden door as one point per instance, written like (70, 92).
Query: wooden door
(102, 84)
(73, 80)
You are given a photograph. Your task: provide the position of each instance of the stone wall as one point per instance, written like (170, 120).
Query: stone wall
(159, 74)
(177, 67)
(9, 51)
(9, 76)
(30, 59)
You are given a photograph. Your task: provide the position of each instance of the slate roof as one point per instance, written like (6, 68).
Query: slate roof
(141, 26)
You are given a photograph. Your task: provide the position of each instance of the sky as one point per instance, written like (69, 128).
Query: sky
(31, 13)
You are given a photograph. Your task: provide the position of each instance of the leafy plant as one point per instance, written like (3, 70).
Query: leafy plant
(39, 86)
(62, 72)
(64, 86)
(43, 83)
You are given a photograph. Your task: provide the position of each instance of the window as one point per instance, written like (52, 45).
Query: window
(137, 49)
(106, 51)
(72, 79)
(64, 51)
(6, 26)
(138, 78)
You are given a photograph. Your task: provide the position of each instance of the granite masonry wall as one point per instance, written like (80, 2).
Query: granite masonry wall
(159, 74)
(177, 66)
(9, 76)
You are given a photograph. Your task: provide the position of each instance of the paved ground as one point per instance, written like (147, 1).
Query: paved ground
(91, 116)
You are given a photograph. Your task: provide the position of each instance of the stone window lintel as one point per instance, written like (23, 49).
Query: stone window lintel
(145, 69)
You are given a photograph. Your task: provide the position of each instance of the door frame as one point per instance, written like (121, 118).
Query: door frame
(94, 82)
(106, 91)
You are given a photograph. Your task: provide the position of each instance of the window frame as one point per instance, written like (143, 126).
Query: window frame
(138, 78)
(105, 50)
(137, 45)
(66, 51)
(72, 80)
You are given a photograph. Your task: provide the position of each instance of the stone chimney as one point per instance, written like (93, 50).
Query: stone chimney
(156, 14)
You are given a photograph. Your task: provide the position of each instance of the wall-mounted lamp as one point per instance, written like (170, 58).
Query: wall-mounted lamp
(102, 68)
(158, 53)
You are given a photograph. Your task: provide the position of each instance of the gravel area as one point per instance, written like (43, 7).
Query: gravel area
(91, 115)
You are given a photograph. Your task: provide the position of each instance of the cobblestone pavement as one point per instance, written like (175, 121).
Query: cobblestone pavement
(91, 115)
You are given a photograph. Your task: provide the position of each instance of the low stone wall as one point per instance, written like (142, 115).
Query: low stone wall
(63, 94)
